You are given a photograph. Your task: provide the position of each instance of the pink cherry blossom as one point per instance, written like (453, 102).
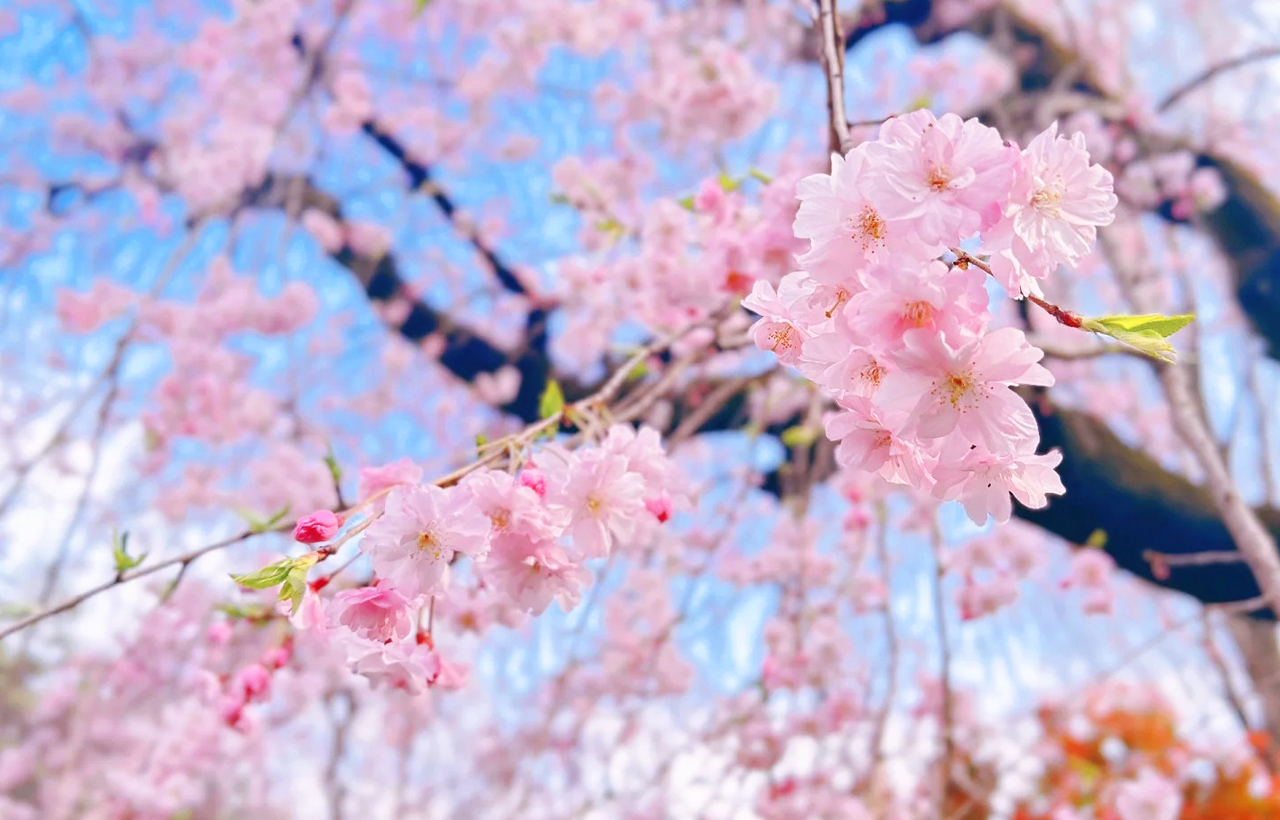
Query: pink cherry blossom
(949, 177)
(420, 532)
(943, 389)
(603, 499)
(377, 613)
(849, 233)
(983, 480)
(532, 574)
(374, 480)
(949, 301)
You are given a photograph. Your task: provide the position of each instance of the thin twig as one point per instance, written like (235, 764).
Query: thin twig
(1212, 71)
(125, 577)
(944, 659)
(1193, 559)
(833, 60)
(602, 396)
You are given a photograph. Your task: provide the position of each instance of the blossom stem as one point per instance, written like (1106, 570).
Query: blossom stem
(833, 60)
(1064, 316)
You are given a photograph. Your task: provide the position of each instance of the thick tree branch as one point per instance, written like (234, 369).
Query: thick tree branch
(421, 178)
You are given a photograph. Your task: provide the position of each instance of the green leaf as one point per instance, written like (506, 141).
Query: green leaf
(256, 524)
(295, 585)
(686, 203)
(611, 226)
(1097, 539)
(1146, 333)
(276, 518)
(799, 436)
(266, 577)
(639, 371)
(728, 183)
(552, 400)
(419, 6)
(335, 471)
(761, 176)
(120, 551)
(1162, 326)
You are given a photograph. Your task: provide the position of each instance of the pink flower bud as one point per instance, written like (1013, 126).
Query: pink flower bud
(659, 505)
(320, 526)
(276, 658)
(253, 680)
(534, 479)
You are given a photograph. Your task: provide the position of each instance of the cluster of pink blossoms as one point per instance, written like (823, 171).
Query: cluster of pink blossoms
(527, 536)
(899, 338)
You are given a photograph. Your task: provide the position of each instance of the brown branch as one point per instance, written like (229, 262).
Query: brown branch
(1213, 71)
(946, 717)
(1193, 559)
(421, 178)
(496, 452)
(1250, 537)
(833, 61)
(123, 578)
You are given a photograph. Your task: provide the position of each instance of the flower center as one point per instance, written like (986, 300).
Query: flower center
(867, 226)
(842, 296)
(938, 179)
(1046, 199)
(872, 374)
(918, 314)
(430, 544)
(784, 336)
(956, 386)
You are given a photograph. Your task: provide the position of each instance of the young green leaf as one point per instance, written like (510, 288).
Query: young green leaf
(1163, 326)
(1146, 333)
(552, 400)
(799, 436)
(257, 525)
(266, 577)
(335, 471)
(294, 586)
(120, 552)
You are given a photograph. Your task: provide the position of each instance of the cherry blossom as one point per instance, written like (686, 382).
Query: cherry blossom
(415, 540)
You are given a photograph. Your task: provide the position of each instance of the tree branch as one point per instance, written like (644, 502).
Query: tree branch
(833, 61)
(1213, 71)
